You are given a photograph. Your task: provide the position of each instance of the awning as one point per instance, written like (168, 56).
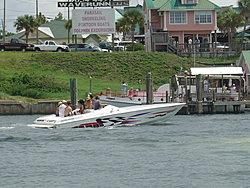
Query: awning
(240, 35)
(217, 71)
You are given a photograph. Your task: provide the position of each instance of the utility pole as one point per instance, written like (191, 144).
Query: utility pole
(68, 20)
(37, 21)
(4, 12)
(113, 35)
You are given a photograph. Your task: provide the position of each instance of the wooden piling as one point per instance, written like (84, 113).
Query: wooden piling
(199, 94)
(149, 88)
(73, 91)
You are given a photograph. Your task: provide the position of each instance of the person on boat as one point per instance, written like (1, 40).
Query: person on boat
(97, 103)
(88, 106)
(57, 109)
(81, 106)
(124, 86)
(68, 109)
(233, 88)
(224, 88)
(62, 108)
(131, 93)
(205, 85)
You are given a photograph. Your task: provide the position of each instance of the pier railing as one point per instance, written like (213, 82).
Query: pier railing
(217, 96)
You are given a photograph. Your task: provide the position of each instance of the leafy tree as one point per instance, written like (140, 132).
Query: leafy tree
(228, 20)
(68, 26)
(133, 17)
(59, 16)
(42, 19)
(6, 33)
(244, 6)
(27, 22)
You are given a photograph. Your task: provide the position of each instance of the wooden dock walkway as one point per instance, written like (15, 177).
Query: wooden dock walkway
(217, 107)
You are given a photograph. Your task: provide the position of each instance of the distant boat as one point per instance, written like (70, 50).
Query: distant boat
(139, 98)
(111, 116)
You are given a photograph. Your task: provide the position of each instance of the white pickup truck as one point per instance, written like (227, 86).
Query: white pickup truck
(50, 45)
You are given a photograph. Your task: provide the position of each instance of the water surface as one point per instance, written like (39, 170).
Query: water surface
(186, 151)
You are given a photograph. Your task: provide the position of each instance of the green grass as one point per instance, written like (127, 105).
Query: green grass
(47, 75)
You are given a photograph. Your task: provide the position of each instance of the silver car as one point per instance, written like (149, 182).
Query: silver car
(84, 47)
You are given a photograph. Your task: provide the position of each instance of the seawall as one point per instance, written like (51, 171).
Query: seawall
(24, 108)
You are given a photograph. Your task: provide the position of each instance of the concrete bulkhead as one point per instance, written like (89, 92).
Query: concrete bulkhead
(23, 108)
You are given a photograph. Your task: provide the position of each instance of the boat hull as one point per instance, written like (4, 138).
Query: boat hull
(111, 116)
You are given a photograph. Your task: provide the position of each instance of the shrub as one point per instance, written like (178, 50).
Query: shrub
(135, 47)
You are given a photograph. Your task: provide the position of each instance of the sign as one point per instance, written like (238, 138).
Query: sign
(93, 3)
(93, 21)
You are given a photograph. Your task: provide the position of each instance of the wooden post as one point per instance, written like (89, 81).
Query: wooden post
(186, 96)
(199, 94)
(149, 88)
(73, 92)
(186, 91)
(213, 105)
(239, 91)
(167, 97)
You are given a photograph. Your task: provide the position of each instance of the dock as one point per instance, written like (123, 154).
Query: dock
(217, 107)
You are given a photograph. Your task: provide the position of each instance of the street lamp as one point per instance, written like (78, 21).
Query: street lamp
(90, 84)
(139, 83)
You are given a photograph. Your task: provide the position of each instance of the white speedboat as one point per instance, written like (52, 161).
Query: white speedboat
(111, 116)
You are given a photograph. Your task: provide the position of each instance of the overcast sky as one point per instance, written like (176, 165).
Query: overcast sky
(15, 8)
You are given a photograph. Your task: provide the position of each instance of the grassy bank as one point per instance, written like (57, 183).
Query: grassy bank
(46, 75)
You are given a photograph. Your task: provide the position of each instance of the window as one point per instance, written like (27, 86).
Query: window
(190, 1)
(203, 17)
(178, 17)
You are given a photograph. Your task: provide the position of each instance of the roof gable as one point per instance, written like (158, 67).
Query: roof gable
(177, 5)
(246, 56)
(57, 28)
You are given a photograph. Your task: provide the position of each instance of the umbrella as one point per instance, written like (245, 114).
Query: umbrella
(240, 35)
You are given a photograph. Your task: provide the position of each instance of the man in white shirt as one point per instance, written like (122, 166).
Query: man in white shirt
(62, 108)
(190, 43)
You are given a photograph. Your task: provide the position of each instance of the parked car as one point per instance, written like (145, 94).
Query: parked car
(51, 45)
(16, 44)
(106, 47)
(221, 46)
(84, 47)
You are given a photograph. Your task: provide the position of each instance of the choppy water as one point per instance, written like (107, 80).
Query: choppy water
(186, 151)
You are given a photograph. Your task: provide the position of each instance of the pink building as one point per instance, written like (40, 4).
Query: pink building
(168, 22)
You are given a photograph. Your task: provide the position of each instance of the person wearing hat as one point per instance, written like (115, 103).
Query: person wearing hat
(68, 109)
(88, 104)
(57, 109)
(62, 108)
(233, 88)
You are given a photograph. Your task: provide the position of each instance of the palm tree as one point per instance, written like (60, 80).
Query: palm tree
(228, 20)
(27, 22)
(68, 26)
(244, 6)
(133, 17)
(59, 16)
(122, 27)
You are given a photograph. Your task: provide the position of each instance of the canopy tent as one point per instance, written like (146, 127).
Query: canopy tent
(240, 35)
(217, 71)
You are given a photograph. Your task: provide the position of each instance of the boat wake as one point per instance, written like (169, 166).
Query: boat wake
(7, 127)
